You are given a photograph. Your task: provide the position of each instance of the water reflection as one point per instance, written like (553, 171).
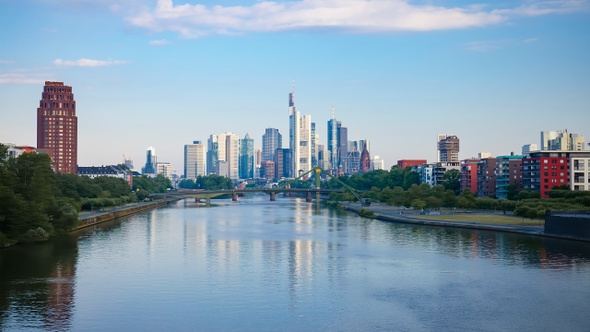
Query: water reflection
(37, 285)
(514, 249)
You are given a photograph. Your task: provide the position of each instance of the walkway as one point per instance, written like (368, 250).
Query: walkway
(391, 213)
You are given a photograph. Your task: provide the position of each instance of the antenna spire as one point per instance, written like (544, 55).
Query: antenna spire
(332, 111)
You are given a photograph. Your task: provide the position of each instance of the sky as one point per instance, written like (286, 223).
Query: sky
(398, 72)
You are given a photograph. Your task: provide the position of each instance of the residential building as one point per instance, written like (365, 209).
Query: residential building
(561, 141)
(441, 168)
(469, 174)
(194, 160)
(543, 170)
(57, 126)
(508, 172)
(486, 177)
(14, 151)
(448, 148)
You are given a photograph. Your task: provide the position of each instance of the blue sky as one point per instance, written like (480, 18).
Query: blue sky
(165, 73)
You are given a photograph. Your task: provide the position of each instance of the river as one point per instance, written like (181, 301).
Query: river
(287, 265)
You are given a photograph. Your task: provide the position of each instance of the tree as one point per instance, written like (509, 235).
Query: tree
(467, 199)
(452, 180)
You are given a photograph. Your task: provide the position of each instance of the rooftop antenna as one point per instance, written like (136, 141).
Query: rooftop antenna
(332, 111)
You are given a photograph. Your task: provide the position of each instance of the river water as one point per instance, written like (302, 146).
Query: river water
(288, 265)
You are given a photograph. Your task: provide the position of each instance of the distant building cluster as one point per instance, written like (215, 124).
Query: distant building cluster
(559, 160)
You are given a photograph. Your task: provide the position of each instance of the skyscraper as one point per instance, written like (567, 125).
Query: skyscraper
(294, 132)
(271, 141)
(151, 160)
(333, 142)
(212, 154)
(57, 126)
(305, 142)
(246, 163)
(194, 160)
(227, 155)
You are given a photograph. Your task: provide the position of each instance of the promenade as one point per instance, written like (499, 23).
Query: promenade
(392, 213)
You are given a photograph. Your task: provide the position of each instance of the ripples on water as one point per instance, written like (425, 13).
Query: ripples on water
(267, 266)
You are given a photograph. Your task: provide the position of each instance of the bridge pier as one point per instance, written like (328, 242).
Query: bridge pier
(308, 197)
(197, 200)
(234, 197)
(208, 201)
(273, 196)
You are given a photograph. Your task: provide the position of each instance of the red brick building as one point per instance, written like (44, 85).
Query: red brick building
(57, 126)
(403, 163)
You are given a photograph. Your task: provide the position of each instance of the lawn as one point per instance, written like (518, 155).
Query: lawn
(485, 219)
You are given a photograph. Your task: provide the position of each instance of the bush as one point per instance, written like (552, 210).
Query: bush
(35, 235)
(366, 213)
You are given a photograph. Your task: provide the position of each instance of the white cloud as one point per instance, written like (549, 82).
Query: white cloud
(86, 63)
(159, 42)
(357, 16)
(16, 78)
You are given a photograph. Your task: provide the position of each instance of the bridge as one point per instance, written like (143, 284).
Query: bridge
(208, 194)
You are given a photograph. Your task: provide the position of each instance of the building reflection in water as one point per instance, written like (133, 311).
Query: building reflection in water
(39, 281)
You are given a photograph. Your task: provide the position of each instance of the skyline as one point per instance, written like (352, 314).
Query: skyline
(397, 72)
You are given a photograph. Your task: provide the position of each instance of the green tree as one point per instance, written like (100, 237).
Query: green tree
(452, 180)
(467, 199)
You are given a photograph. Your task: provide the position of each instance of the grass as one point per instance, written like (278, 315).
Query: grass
(485, 219)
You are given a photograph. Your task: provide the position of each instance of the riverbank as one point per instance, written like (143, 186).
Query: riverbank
(97, 217)
(387, 213)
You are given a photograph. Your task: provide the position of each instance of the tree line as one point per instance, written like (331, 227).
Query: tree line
(36, 203)
(399, 187)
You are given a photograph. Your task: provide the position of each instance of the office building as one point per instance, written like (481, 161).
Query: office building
(294, 132)
(305, 143)
(271, 141)
(212, 154)
(403, 163)
(377, 163)
(165, 169)
(246, 158)
(57, 126)
(194, 160)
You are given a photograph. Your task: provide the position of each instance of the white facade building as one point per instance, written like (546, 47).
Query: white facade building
(165, 169)
(194, 160)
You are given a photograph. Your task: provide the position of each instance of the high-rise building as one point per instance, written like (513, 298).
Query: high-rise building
(378, 163)
(57, 126)
(212, 154)
(561, 141)
(448, 148)
(315, 137)
(294, 132)
(228, 151)
(282, 163)
(333, 142)
(194, 160)
(150, 162)
(305, 142)
(246, 158)
(271, 141)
